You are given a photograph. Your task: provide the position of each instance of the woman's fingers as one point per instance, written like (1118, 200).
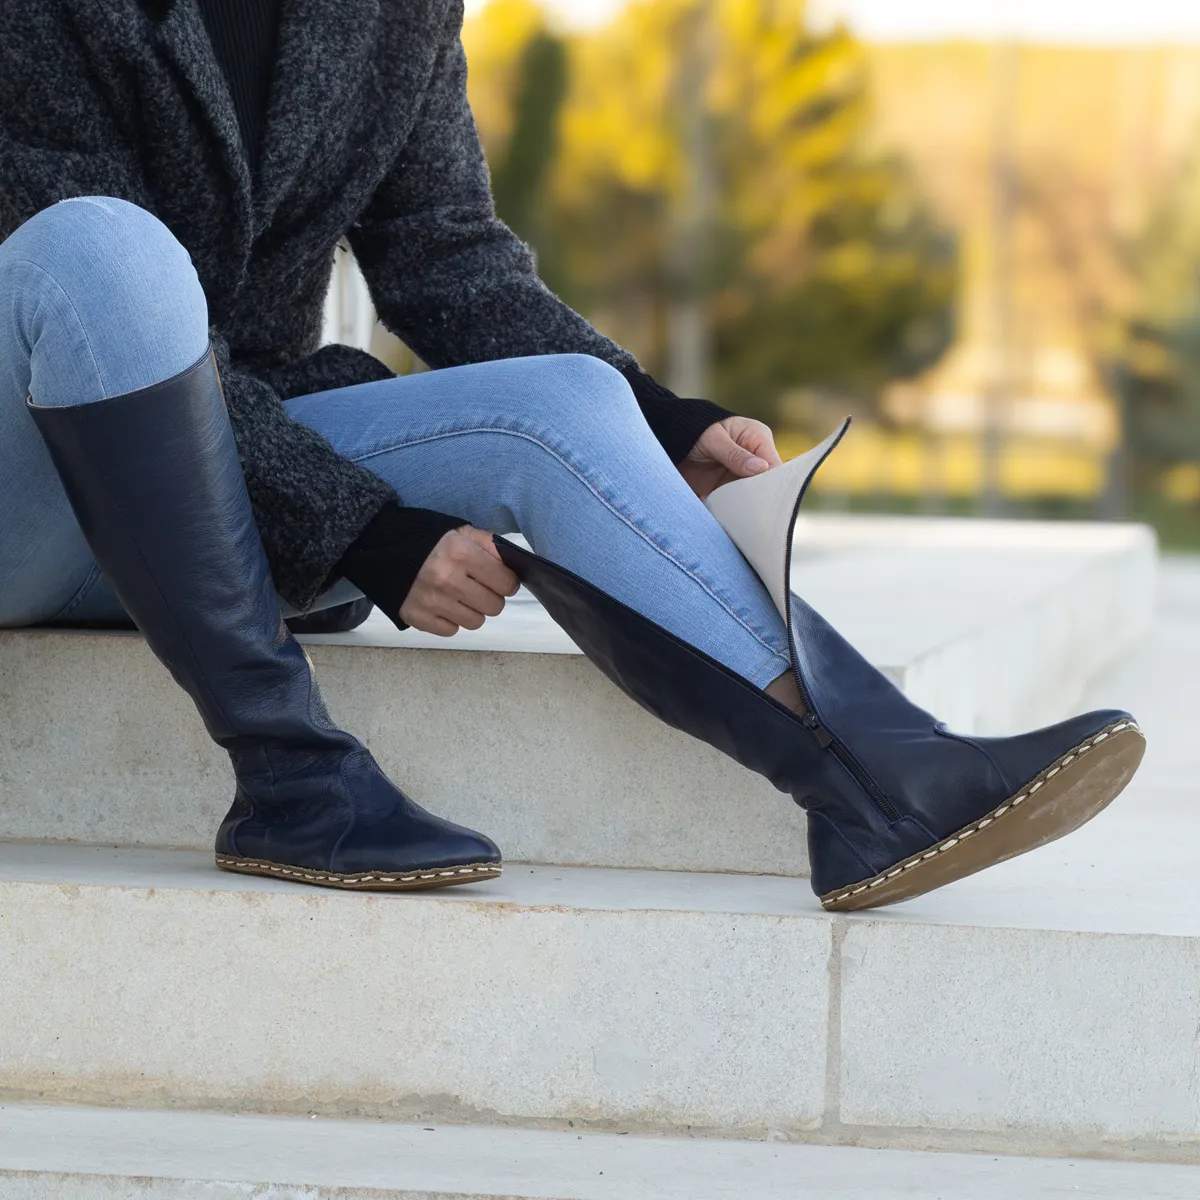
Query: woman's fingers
(483, 540)
(734, 457)
(759, 439)
(445, 620)
(482, 572)
(748, 447)
(483, 599)
(430, 623)
(492, 573)
(460, 585)
(463, 615)
(426, 619)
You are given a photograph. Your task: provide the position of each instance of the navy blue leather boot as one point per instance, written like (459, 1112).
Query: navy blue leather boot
(155, 481)
(897, 804)
(341, 618)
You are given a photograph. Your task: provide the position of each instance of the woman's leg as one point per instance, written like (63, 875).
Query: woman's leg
(555, 446)
(71, 337)
(152, 473)
(74, 334)
(897, 804)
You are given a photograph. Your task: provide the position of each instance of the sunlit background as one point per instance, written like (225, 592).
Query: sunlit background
(975, 227)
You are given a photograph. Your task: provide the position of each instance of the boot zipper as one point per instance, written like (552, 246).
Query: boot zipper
(823, 736)
(812, 722)
(840, 751)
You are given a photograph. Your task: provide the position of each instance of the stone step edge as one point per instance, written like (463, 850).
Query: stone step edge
(992, 902)
(824, 1067)
(550, 744)
(49, 1151)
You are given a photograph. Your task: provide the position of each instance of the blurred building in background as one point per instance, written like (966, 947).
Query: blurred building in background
(1053, 162)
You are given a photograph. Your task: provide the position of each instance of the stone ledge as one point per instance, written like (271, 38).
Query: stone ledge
(993, 625)
(63, 1154)
(647, 1001)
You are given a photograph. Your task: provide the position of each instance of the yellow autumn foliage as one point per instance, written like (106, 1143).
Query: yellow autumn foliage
(783, 106)
(718, 152)
(493, 41)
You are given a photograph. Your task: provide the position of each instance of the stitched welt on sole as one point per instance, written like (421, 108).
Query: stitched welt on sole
(366, 881)
(1069, 793)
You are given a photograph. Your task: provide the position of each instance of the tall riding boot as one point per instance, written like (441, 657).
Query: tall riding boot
(155, 482)
(897, 804)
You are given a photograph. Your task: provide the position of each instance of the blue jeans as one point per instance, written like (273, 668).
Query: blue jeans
(98, 298)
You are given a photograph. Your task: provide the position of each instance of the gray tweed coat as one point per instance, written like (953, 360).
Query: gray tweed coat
(368, 135)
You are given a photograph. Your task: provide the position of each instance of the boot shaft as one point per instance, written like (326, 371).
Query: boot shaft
(156, 485)
(891, 794)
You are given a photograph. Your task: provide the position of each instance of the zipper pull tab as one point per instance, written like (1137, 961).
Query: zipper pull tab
(823, 736)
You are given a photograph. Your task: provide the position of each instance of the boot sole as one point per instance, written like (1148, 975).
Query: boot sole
(366, 881)
(1068, 794)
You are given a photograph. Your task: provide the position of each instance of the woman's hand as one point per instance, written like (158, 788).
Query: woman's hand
(735, 448)
(460, 584)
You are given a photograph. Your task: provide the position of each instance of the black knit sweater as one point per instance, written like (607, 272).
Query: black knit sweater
(369, 140)
(244, 34)
(385, 558)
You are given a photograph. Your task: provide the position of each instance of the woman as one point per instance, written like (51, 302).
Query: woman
(174, 178)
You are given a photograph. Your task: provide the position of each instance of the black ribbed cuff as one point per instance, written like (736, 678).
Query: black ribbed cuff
(385, 559)
(676, 422)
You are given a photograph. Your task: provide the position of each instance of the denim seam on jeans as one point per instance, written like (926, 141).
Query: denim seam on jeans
(591, 487)
(94, 573)
(81, 594)
(78, 319)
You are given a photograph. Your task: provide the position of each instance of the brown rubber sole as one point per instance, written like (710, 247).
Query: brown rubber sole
(1068, 794)
(366, 881)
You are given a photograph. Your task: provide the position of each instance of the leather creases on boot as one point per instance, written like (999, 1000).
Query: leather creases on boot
(156, 484)
(897, 804)
(341, 618)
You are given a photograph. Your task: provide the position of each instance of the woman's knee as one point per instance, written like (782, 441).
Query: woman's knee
(583, 379)
(586, 422)
(584, 402)
(111, 260)
(88, 237)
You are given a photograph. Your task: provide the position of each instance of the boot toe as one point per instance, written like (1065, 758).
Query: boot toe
(1061, 777)
(1024, 756)
(420, 842)
(357, 831)
(392, 833)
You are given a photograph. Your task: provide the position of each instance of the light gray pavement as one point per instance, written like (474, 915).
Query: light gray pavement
(985, 1018)
(218, 1156)
(1136, 867)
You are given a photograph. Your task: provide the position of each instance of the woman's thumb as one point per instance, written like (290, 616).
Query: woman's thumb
(483, 540)
(739, 460)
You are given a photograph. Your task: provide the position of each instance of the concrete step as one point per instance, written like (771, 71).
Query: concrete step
(1046, 1007)
(1049, 1006)
(993, 625)
(89, 1154)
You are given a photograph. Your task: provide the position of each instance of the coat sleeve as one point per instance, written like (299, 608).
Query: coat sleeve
(446, 275)
(298, 484)
(297, 481)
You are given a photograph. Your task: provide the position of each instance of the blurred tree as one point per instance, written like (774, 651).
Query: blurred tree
(815, 260)
(518, 82)
(518, 178)
(494, 41)
(1157, 364)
